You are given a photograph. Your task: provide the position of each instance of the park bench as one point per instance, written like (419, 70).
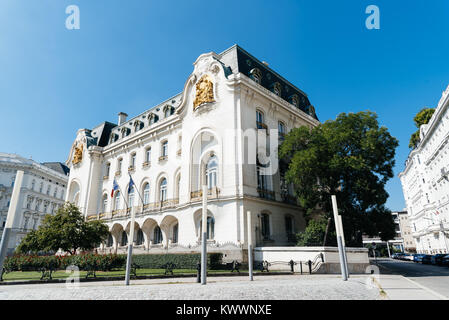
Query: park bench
(169, 266)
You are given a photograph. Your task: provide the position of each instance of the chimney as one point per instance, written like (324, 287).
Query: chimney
(265, 63)
(121, 118)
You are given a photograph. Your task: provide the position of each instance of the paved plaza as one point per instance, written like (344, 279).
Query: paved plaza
(291, 287)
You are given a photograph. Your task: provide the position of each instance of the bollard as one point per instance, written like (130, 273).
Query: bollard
(300, 264)
(322, 257)
(310, 266)
(292, 263)
(198, 272)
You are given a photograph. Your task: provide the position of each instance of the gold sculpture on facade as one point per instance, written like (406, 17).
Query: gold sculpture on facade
(204, 91)
(78, 156)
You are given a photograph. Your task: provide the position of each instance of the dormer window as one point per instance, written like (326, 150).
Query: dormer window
(294, 100)
(153, 118)
(256, 75)
(277, 89)
(125, 132)
(113, 138)
(138, 125)
(168, 111)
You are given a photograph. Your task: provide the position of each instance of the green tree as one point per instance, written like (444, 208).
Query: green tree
(66, 230)
(314, 234)
(351, 157)
(422, 117)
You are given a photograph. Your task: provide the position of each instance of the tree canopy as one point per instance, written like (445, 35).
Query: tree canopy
(66, 230)
(351, 157)
(422, 117)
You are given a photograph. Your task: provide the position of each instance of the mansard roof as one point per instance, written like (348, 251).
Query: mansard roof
(240, 61)
(234, 60)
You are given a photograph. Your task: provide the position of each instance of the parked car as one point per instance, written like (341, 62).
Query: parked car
(445, 261)
(417, 257)
(426, 259)
(398, 255)
(437, 259)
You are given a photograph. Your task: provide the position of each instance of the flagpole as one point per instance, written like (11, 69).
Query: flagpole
(131, 235)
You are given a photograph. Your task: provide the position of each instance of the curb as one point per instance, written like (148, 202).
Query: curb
(122, 278)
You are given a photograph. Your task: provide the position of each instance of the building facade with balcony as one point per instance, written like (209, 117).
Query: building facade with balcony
(425, 183)
(42, 192)
(222, 131)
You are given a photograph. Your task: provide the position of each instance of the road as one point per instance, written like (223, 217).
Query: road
(431, 277)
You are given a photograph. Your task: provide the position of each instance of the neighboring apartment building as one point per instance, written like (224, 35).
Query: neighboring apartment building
(425, 183)
(42, 192)
(204, 135)
(405, 231)
(403, 239)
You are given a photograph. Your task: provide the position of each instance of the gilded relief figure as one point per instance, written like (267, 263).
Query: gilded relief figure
(78, 156)
(204, 91)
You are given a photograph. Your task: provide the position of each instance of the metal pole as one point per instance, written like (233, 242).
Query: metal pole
(130, 247)
(339, 240)
(250, 247)
(204, 238)
(10, 217)
(343, 242)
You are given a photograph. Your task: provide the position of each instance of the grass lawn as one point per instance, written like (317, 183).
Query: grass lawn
(61, 274)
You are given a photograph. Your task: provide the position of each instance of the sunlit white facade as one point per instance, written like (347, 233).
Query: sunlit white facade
(425, 183)
(202, 135)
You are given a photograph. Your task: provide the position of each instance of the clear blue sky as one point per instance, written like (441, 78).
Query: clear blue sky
(130, 55)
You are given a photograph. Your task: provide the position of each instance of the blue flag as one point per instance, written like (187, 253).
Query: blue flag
(131, 184)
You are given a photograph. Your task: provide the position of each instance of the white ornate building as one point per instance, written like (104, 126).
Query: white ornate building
(205, 134)
(425, 183)
(42, 192)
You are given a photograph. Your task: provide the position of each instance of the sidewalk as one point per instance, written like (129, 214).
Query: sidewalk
(398, 287)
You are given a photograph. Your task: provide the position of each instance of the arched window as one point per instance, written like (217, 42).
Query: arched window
(157, 235)
(178, 186)
(117, 200)
(131, 197)
(108, 169)
(48, 189)
(119, 164)
(146, 193)
(55, 192)
(265, 225)
(132, 160)
(210, 228)
(41, 187)
(104, 204)
(289, 226)
(281, 130)
(277, 89)
(211, 172)
(140, 237)
(33, 184)
(256, 75)
(148, 155)
(163, 190)
(153, 118)
(110, 241)
(164, 149)
(260, 120)
(168, 111)
(124, 241)
(175, 234)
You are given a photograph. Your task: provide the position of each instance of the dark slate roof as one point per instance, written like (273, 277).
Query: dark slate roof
(58, 166)
(101, 133)
(239, 60)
